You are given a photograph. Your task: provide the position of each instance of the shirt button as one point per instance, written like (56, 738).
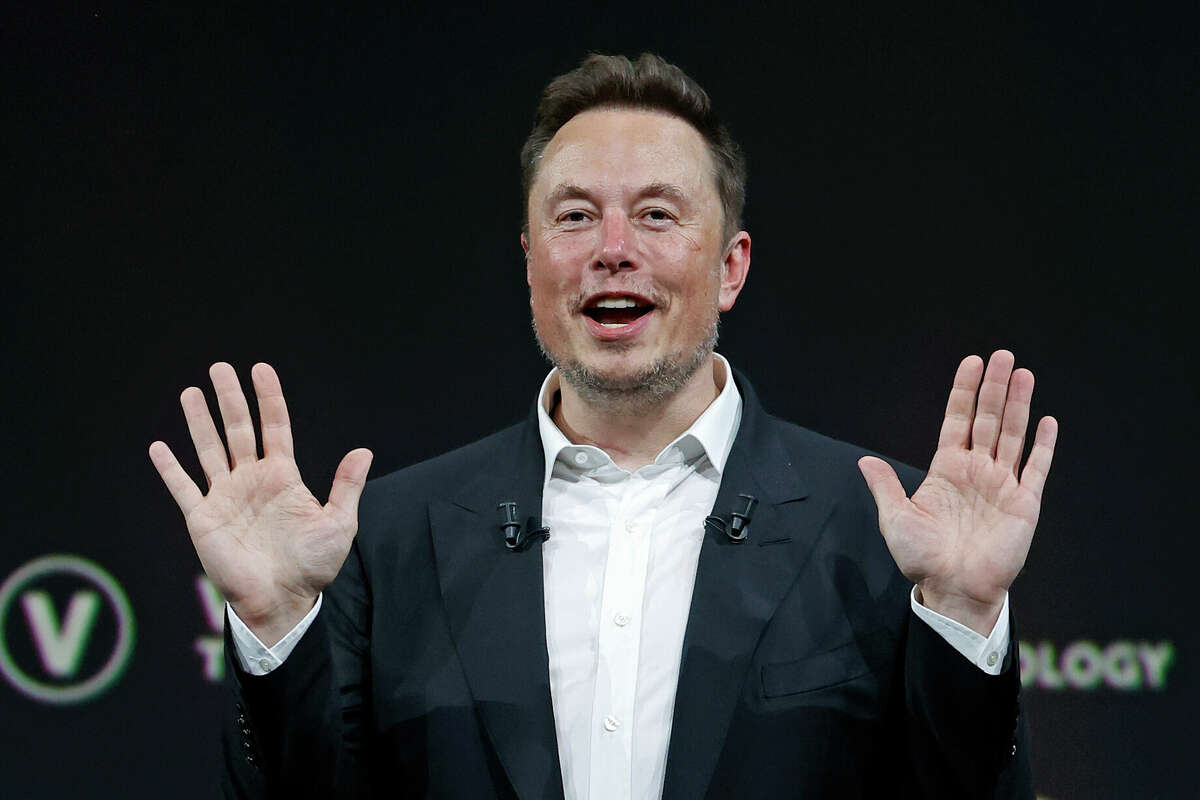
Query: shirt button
(581, 458)
(611, 723)
(621, 619)
(264, 664)
(631, 526)
(991, 659)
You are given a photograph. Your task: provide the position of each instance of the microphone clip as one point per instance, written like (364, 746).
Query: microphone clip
(516, 537)
(737, 530)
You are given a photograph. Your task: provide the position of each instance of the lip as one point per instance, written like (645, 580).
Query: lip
(629, 331)
(640, 299)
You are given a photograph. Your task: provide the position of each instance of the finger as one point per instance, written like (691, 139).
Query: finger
(209, 448)
(1016, 419)
(990, 407)
(1033, 477)
(349, 480)
(272, 410)
(239, 428)
(885, 487)
(960, 408)
(185, 491)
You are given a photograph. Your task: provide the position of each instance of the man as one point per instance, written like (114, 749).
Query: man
(714, 613)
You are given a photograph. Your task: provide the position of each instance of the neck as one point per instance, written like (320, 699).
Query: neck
(632, 437)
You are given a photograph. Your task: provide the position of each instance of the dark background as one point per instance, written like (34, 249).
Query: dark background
(336, 192)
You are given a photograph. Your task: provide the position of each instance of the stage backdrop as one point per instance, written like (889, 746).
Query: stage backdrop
(337, 194)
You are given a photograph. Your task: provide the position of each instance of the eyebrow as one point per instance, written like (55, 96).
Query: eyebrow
(566, 191)
(572, 191)
(667, 191)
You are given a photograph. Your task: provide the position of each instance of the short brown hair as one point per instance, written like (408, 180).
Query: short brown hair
(649, 83)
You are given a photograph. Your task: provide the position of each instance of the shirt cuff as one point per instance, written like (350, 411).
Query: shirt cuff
(254, 656)
(987, 653)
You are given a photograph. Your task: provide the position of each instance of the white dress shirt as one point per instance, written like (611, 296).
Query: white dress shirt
(618, 572)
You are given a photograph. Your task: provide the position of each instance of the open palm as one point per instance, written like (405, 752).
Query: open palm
(265, 541)
(965, 533)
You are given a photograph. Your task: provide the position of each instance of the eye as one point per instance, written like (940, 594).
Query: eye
(573, 218)
(657, 217)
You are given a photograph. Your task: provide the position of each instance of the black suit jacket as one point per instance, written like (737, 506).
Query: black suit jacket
(804, 672)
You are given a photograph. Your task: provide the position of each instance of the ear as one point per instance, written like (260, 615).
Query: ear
(734, 269)
(525, 247)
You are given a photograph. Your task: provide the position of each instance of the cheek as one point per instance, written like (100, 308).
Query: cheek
(558, 260)
(674, 247)
(550, 291)
(568, 247)
(688, 271)
(548, 285)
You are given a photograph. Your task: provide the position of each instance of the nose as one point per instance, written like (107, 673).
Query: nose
(616, 244)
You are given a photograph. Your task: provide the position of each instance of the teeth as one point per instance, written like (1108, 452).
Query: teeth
(614, 324)
(615, 302)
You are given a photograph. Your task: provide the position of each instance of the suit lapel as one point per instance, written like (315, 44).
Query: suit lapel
(738, 587)
(495, 607)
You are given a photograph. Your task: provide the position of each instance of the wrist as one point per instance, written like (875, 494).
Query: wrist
(978, 615)
(271, 622)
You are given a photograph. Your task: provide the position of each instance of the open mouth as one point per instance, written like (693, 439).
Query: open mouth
(617, 312)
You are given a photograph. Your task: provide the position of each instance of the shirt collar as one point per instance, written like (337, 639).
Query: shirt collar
(713, 431)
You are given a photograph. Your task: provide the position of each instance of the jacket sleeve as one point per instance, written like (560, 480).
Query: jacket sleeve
(298, 731)
(965, 733)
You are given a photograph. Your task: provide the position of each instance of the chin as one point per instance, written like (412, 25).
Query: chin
(644, 381)
(620, 376)
(616, 372)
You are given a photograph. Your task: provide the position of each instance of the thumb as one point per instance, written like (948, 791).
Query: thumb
(349, 480)
(885, 487)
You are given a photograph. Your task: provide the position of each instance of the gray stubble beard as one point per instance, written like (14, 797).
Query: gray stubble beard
(644, 390)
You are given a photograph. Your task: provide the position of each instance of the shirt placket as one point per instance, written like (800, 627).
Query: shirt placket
(619, 639)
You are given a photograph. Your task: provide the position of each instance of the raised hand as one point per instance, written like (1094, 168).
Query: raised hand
(964, 534)
(265, 542)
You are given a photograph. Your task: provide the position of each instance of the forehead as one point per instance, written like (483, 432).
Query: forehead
(628, 148)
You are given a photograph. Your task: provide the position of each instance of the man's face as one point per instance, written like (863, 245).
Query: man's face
(625, 260)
